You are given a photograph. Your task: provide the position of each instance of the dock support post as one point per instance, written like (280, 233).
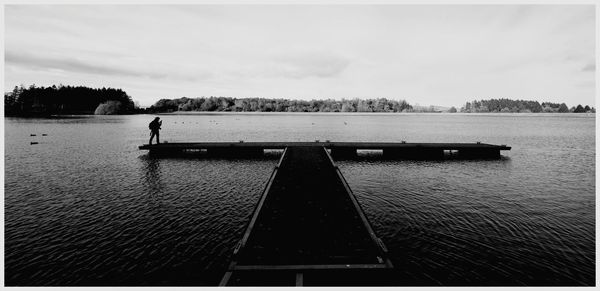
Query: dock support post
(414, 153)
(161, 153)
(479, 153)
(342, 153)
(235, 151)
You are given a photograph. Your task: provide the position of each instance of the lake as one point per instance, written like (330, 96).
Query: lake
(84, 206)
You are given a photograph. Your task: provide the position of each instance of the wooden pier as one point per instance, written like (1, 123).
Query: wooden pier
(308, 229)
(392, 150)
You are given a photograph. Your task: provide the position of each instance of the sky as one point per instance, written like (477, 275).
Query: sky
(425, 54)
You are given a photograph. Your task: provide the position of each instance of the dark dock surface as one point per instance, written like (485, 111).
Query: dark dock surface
(399, 150)
(308, 229)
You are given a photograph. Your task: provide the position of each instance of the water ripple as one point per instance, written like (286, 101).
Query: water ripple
(87, 208)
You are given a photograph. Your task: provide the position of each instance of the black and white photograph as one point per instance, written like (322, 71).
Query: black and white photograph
(301, 143)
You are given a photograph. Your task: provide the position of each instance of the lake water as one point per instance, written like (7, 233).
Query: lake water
(86, 207)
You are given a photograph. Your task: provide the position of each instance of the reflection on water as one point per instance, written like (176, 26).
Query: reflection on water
(152, 174)
(86, 207)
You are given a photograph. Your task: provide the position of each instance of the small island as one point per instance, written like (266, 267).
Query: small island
(521, 106)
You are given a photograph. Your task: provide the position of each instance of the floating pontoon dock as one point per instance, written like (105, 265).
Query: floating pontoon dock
(399, 150)
(308, 228)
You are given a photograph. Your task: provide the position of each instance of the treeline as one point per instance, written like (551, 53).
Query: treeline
(521, 106)
(278, 105)
(22, 101)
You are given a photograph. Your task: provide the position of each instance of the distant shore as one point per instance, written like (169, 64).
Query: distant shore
(362, 113)
(193, 113)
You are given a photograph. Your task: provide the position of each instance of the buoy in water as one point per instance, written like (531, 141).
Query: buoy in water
(32, 134)
(34, 142)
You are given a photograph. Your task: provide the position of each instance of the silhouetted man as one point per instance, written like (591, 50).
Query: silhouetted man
(154, 128)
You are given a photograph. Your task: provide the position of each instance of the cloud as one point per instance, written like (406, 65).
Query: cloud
(272, 50)
(72, 65)
(309, 64)
(589, 68)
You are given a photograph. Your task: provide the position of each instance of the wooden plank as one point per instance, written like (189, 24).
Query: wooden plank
(340, 145)
(361, 213)
(309, 267)
(307, 220)
(225, 279)
(299, 279)
(252, 222)
(261, 202)
(340, 150)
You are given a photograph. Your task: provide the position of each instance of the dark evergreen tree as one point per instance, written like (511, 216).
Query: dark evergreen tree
(63, 100)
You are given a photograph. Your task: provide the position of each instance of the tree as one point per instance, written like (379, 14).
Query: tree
(468, 107)
(347, 107)
(579, 109)
(108, 108)
(209, 104)
(504, 105)
(362, 106)
(64, 100)
(279, 105)
(452, 109)
(563, 108)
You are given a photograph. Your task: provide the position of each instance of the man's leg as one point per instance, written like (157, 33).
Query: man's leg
(151, 137)
(157, 139)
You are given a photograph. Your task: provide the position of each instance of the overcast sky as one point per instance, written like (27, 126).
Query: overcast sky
(430, 54)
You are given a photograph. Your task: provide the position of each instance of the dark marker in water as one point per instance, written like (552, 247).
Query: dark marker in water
(32, 134)
(34, 142)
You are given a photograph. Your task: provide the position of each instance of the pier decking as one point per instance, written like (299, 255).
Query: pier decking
(394, 150)
(307, 229)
